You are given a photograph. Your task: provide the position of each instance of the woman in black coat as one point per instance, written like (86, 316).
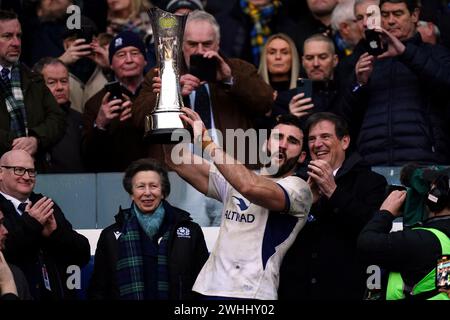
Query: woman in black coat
(154, 251)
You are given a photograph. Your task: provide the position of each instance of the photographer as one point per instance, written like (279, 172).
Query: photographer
(319, 61)
(410, 255)
(395, 103)
(109, 141)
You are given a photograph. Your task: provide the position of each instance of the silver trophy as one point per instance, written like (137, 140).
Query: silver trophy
(168, 32)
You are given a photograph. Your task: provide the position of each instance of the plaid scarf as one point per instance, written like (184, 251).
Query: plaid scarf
(130, 264)
(163, 270)
(15, 105)
(261, 18)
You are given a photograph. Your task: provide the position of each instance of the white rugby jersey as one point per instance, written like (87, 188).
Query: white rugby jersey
(252, 241)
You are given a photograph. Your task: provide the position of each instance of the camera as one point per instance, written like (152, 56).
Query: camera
(393, 187)
(203, 68)
(419, 180)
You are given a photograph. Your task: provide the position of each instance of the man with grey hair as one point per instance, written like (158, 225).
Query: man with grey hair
(232, 100)
(346, 66)
(396, 98)
(429, 32)
(344, 26)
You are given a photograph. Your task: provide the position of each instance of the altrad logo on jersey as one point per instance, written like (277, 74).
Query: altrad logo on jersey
(237, 216)
(241, 203)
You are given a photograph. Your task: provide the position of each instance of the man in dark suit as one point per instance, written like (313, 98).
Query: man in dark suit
(40, 241)
(345, 195)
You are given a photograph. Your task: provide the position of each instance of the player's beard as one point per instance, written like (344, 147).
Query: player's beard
(287, 166)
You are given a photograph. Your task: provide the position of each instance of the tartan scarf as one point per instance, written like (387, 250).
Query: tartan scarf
(261, 18)
(163, 270)
(15, 105)
(130, 263)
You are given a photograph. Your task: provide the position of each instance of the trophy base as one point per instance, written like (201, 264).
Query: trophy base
(164, 128)
(162, 136)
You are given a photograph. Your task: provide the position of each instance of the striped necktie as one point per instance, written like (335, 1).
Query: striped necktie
(5, 77)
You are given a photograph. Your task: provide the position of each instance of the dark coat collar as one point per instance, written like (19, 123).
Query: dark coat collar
(353, 161)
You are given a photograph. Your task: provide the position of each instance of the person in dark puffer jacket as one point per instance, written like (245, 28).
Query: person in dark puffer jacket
(398, 100)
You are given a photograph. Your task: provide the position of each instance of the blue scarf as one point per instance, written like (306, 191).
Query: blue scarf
(150, 223)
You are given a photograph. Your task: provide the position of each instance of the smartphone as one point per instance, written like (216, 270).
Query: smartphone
(86, 33)
(305, 86)
(443, 272)
(203, 68)
(374, 44)
(115, 92)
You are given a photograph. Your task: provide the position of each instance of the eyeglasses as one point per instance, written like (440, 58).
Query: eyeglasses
(20, 171)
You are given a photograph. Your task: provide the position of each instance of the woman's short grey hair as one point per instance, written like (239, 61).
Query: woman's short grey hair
(146, 164)
(200, 15)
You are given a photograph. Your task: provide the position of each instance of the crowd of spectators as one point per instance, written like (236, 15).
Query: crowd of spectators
(272, 36)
